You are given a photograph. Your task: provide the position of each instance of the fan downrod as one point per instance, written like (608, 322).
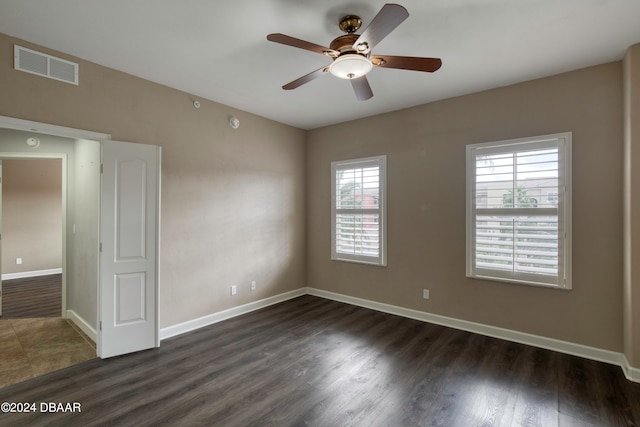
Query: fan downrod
(350, 24)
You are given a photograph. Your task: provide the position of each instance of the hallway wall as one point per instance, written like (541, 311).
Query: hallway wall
(31, 215)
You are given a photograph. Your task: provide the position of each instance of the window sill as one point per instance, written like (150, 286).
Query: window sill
(519, 282)
(360, 261)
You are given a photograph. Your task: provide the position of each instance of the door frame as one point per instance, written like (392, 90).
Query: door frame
(65, 132)
(51, 156)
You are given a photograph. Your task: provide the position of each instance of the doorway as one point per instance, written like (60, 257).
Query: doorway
(111, 293)
(79, 200)
(31, 244)
(35, 247)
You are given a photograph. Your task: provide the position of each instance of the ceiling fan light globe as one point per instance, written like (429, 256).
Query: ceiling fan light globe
(350, 66)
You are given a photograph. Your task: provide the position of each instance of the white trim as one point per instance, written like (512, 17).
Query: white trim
(83, 325)
(632, 374)
(600, 355)
(49, 129)
(158, 242)
(592, 353)
(34, 273)
(191, 325)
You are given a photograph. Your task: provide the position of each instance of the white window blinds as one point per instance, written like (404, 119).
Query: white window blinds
(358, 193)
(515, 231)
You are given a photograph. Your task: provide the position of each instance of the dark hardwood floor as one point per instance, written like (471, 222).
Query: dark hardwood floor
(32, 297)
(311, 361)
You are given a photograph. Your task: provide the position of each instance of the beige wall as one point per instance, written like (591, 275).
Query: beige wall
(425, 146)
(631, 288)
(31, 215)
(253, 203)
(232, 200)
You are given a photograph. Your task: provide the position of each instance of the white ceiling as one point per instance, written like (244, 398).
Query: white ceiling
(218, 50)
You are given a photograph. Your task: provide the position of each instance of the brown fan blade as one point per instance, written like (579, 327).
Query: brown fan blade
(389, 17)
(305, 79)
(407, 63)
(292, 41)
(361, 88)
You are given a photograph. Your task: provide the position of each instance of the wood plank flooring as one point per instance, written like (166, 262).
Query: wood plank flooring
(315, 362)
(32, 297)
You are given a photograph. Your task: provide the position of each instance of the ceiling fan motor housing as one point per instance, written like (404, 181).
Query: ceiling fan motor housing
(344, 44)
(350, 24)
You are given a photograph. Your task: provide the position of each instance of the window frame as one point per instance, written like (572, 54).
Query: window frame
(563, 210)
(381, 209)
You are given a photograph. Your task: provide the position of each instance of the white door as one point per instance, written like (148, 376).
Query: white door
(128, 307)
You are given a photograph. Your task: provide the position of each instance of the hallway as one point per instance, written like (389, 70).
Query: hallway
(31, 347)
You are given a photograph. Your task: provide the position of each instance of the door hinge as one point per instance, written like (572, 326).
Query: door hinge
(100, 246)
(101, 325)
(101, 167)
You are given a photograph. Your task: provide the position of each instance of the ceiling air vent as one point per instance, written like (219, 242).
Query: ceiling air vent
(45, 65)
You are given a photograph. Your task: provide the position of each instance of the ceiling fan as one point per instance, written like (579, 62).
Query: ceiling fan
(351, 52)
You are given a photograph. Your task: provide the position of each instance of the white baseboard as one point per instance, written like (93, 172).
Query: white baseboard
(633, 374)
(34, 273)
(600, 355)
(83, 325)
(606, 356)
(191, 325)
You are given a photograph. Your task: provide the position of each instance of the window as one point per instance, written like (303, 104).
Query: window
(519, 210)
(358, 193)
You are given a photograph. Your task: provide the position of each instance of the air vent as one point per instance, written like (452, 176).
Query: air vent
(39, 63)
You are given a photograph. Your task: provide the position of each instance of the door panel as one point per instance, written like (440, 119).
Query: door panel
(131, 304)
(129, 238)
(131, 210)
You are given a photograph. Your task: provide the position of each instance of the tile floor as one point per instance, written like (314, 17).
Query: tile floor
(33, 347)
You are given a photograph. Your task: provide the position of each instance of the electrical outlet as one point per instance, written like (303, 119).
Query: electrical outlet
(234, 290)
(425, 293)
(253, 285)
(18, 261)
